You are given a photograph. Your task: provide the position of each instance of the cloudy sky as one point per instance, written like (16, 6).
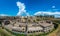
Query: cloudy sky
(29, 7)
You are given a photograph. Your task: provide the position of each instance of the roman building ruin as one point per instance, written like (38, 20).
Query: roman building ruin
(25, 25)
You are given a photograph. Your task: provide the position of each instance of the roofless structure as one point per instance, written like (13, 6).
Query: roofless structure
(27, 25)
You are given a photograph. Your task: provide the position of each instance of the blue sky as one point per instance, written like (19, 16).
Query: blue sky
(30, 7)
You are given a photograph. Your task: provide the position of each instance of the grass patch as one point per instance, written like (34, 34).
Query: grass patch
(3, 33)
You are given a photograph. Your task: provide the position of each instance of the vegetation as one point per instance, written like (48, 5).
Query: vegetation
(46, 16)
(57, 28)
(57, 21)
(16, 34)
(4, 33)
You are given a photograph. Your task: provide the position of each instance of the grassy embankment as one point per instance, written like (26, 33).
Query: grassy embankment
(57, 31)
(3, 32)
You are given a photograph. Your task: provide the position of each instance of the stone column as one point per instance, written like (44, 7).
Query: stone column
(51, 22)
(2, 25)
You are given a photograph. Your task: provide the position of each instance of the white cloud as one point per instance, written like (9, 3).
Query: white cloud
(4, 15)
(21, 7)
(53, 6)
(56, 14)
(49, 13)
